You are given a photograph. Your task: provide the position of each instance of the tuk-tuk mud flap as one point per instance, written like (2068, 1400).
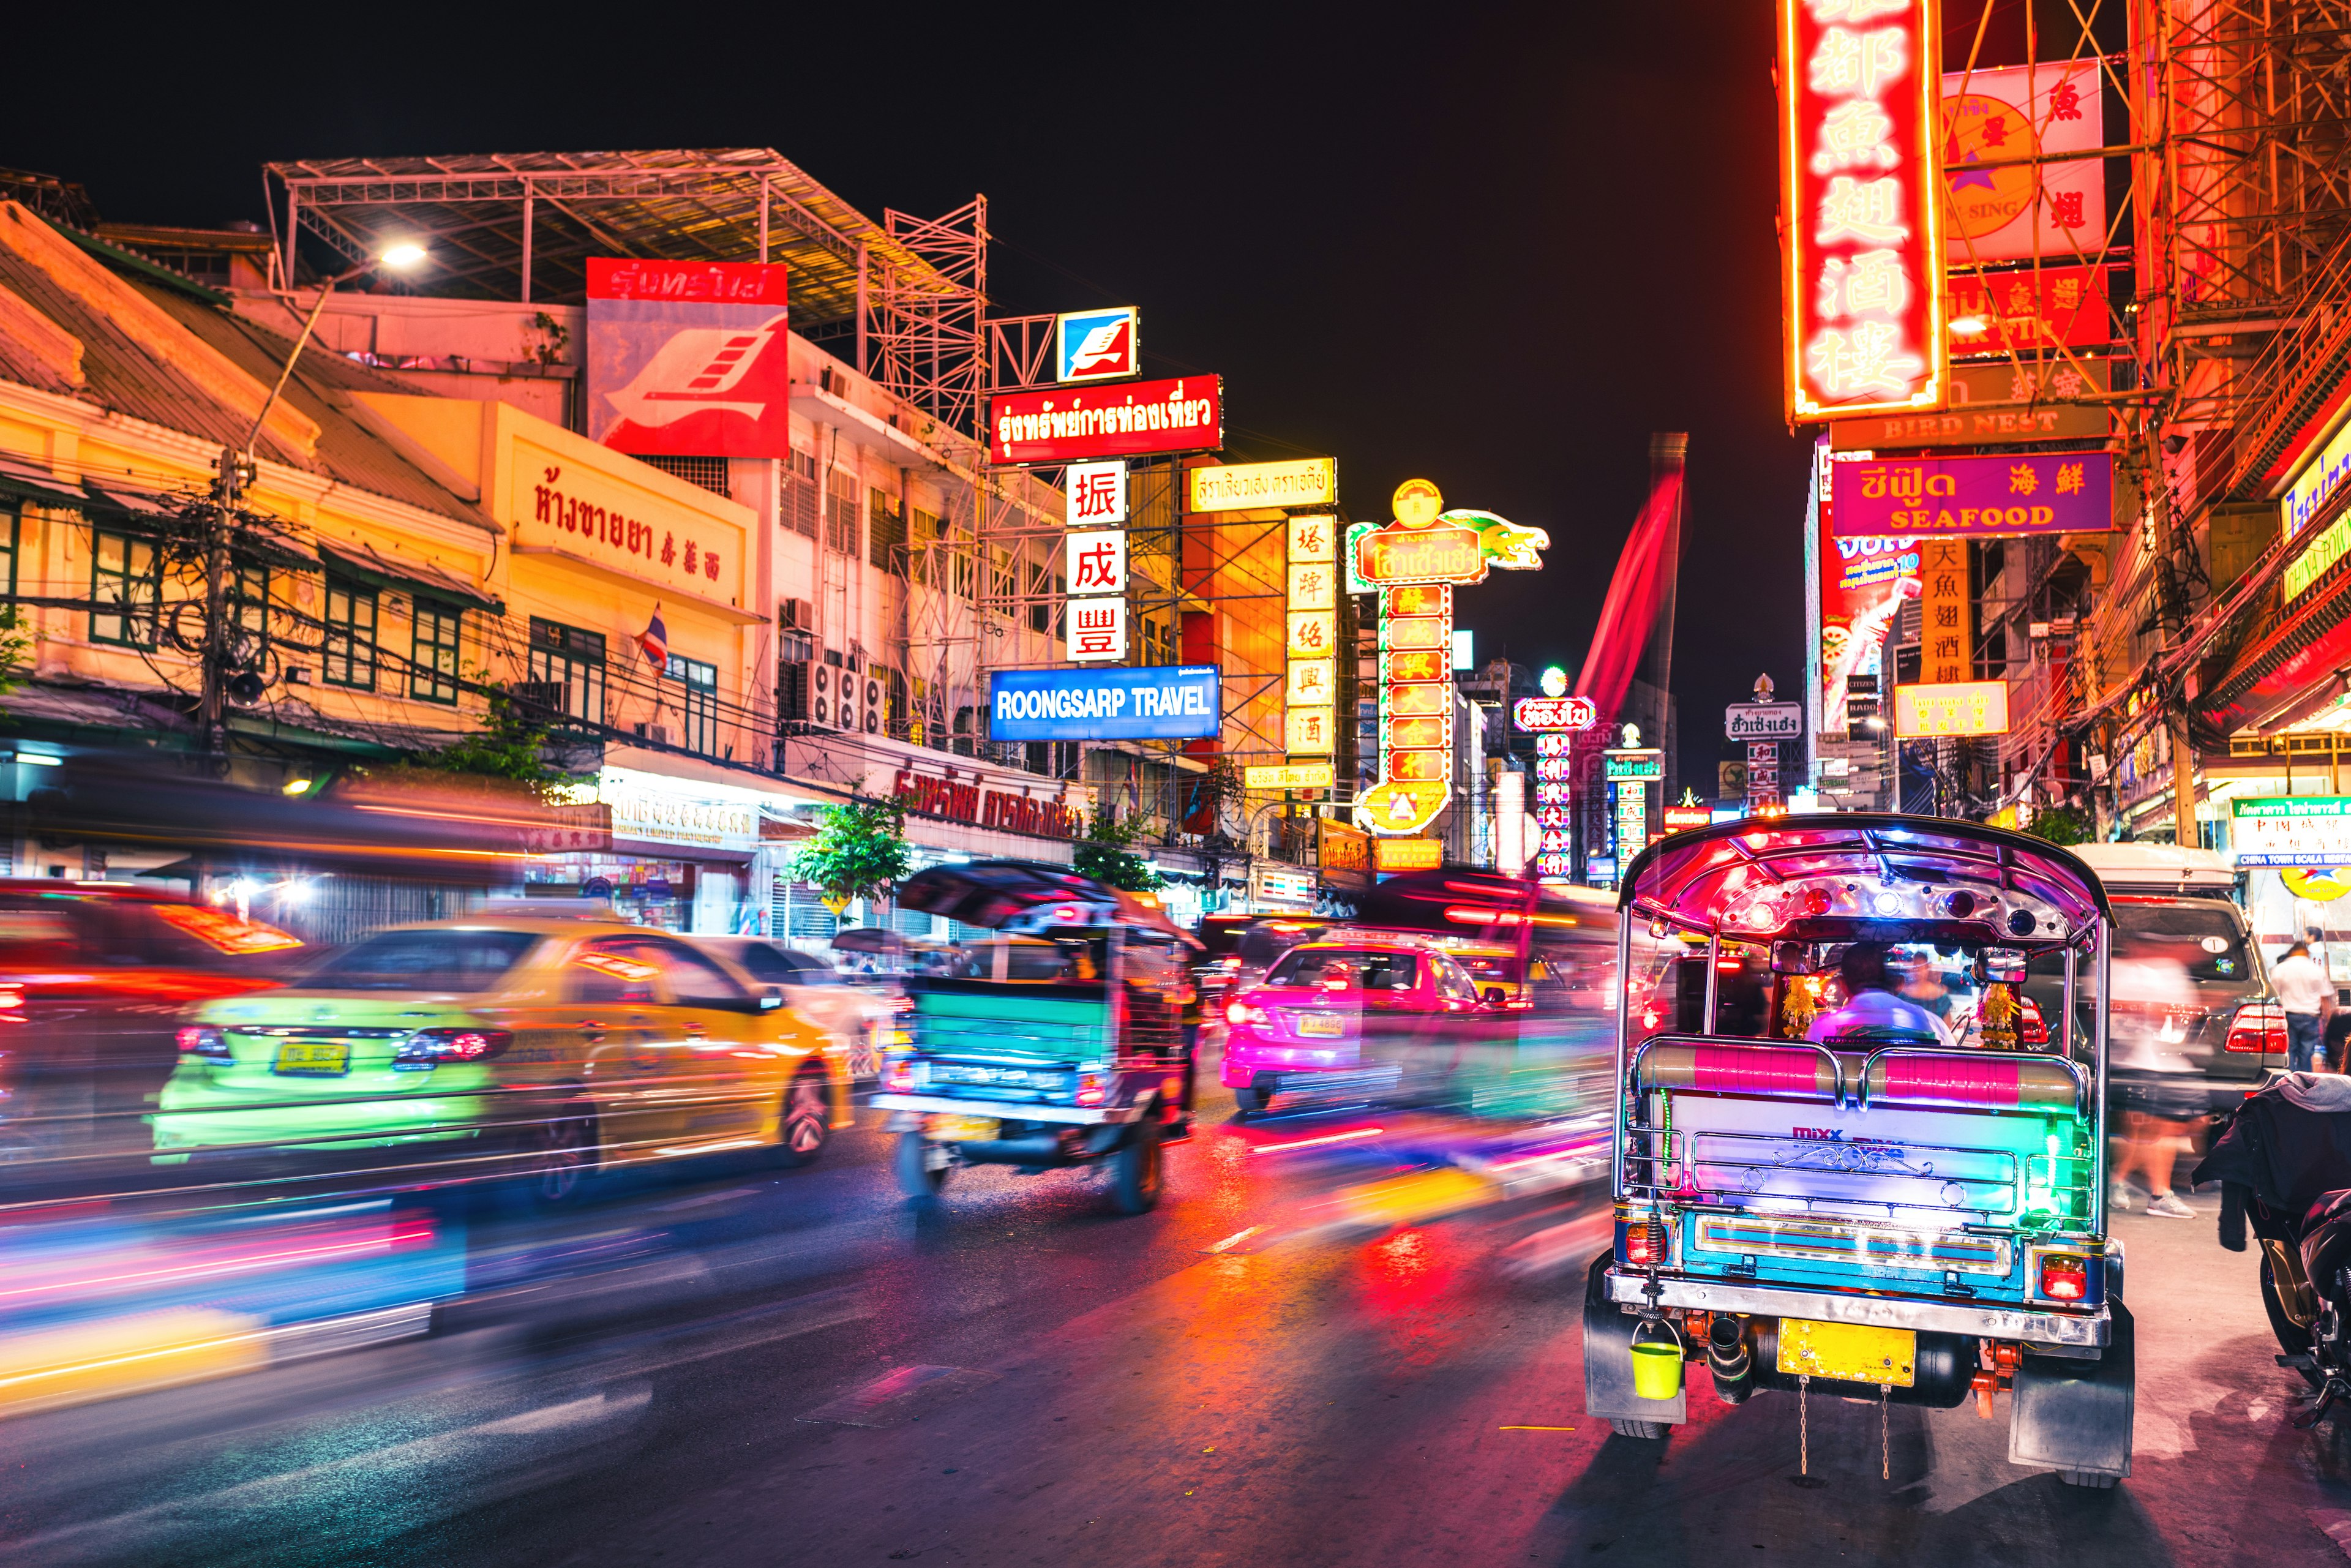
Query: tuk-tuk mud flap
(2072, 1414)
(1608, 1360)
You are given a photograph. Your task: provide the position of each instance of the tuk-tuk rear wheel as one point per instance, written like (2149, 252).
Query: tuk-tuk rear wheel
(918, 1178)
(1640, 1428)
(1134, 1170)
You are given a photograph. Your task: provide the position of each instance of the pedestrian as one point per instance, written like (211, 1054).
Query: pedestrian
(2307, 996)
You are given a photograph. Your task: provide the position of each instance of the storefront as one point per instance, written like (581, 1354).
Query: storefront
(688, 854)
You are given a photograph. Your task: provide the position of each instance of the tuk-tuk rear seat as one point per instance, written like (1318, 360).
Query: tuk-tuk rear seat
(1973, 1079)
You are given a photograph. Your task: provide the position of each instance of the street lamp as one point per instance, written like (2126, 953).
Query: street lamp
(236, 474)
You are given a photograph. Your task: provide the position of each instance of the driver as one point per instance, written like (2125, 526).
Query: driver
(1870, 1002)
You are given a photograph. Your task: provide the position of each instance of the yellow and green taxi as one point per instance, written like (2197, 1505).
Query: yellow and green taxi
(558, 1046)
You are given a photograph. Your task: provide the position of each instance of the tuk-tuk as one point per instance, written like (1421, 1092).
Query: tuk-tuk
(1057, 1042)
(1885, 1180)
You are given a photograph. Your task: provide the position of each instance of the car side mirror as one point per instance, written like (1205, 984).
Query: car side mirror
(769, 999)
(2001, 966)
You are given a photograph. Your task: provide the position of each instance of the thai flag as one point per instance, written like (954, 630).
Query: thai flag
(654, 641)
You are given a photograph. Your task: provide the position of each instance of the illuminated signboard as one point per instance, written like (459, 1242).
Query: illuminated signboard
(1097, 493)
(1268, 884)
(1345, 853)
(1533, 714)
(2015, 493)
(1241, 487)
(1291, 775)
(1098, 345)
(1311, 683)
(1623, 765)
(1407, 854)
(1954, 708)
(1075, 424)
(2319, 477)
(1996, 403)
(2331, 545)
(1682, 818)
(1097, 562)
(1160, 702)
(2014, 196)
(689, 356)
(2312, 831)
(1864, 235)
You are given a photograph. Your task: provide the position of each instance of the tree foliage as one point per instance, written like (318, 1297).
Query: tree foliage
(2062, 825)
(511, 746)
(859, 851)
(1106, 854)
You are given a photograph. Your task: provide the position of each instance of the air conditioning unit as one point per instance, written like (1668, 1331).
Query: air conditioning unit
(876, 704)
(656, 733)
(796, 615)
(824, 682)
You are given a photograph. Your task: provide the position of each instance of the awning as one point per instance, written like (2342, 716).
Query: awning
(33, 483)
(372, 566)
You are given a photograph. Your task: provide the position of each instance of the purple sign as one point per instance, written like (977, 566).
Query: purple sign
(2045, 492)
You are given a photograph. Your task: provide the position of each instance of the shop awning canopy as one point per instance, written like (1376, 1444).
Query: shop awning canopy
(374, 569)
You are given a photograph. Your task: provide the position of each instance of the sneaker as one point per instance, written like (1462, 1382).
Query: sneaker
(2119, 1196)
(2170, 1208)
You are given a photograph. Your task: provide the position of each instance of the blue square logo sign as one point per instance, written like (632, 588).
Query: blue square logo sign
(1098, 345)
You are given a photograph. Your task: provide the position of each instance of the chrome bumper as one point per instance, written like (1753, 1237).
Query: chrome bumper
(1083, 1117)
(1993, 1320)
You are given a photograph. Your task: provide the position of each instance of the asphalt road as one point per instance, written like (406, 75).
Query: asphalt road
(735, 1367)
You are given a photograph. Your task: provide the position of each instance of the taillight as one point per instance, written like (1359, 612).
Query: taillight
(901, 1074)
(2064, 1276)
(1644, 1242)
(2031, 1029)
(1242, 1012)
(201, 1040)
(432, 1046)
(1093, 1086)
(2258, 1027)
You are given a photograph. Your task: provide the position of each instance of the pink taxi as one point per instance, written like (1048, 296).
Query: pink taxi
(1310, 1013)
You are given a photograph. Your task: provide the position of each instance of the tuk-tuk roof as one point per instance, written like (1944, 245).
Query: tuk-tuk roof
(1033, 896)
(1691, 878)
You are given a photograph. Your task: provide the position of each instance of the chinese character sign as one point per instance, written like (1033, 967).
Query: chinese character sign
(1974, 496)
(2004, 204)
(1862, 213)
(1958, 707)
(1097, 629)
(1946, 612)
(1311, 692)
(1097, 493)
(1097, 562)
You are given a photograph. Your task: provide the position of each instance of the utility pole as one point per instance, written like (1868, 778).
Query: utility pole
(2188, 835)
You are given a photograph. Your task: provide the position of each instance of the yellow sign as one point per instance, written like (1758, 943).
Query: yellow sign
(2314, 563)
(1956, 707)
(1407, 854)
(1945, 615)
(1310, 731)
(1291, 775)
(1401, 807)
(1246, 487)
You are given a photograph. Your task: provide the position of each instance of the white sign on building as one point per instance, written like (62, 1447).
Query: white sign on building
(1097, 495)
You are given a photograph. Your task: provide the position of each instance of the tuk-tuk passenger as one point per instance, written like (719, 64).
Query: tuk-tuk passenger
(1870, 1002)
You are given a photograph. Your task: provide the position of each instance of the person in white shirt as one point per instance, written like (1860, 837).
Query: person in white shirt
(1870, 1001)
(2307, 996)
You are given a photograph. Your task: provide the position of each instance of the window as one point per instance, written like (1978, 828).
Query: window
(421, 961)
(799, 508)
(248, 604)
(841, 512)
(1342, 968)
(693, 980)
(573, 661)
(710, 473)
(11, 523)
(349, 650)
(700, 701)
(434, 676)
(124, 570)
(887, 534)
(1040, 604)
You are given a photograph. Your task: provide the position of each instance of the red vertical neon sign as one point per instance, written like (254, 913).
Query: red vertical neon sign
(1860, 209)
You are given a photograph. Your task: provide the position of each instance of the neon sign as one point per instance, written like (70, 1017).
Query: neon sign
(1859, 89)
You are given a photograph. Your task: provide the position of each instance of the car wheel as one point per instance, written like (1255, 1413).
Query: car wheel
(559, 1155)
(804, 1125)
(1135, 1171)
(2291, 1337)
(919, 1178)
(1640, 1428)
(1248, 1099)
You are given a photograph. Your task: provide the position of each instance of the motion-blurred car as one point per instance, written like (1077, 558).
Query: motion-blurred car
(1338, 1003)
(93, 978)
(858, 1019)
(557, 1047)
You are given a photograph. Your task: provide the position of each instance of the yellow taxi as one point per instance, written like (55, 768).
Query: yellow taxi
(555, 1047)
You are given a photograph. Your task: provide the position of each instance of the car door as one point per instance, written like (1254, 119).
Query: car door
(627, 1040)
(722, 1075)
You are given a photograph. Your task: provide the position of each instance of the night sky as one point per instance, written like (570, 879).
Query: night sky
(1493, 245)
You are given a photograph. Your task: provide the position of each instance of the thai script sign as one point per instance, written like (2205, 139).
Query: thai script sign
(1535, 714)
(1241, 487)
(1859, 185)
(688, 358)
(562, 505)
(1003, 809)
(2309, 830)
(1764, 721)
(1952, 708)
(1071, 425)
(2319, 477)
(2029, 492)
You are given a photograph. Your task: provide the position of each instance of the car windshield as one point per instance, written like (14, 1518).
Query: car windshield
(2203, 937)
(1371, 969)
(444, 960)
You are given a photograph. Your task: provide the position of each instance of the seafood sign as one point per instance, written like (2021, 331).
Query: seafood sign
(1978, 498)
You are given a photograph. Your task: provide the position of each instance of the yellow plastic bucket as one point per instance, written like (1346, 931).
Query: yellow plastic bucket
(1657, 1366)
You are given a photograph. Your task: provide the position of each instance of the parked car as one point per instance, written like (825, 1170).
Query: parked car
(553, 1047)
(93, 977)
(860, 1017)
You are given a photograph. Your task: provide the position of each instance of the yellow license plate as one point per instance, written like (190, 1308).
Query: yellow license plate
(1322, 1026)
(306, 1060)
(962, 1129)
(1851, 1352)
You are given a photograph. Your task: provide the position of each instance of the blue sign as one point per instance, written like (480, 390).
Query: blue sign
(1098, 345)
(1160, 702)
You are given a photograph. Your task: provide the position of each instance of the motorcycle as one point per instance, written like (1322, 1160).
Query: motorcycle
(2283, 1161)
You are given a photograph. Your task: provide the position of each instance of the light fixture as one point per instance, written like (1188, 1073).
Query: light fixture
(38, 760)
(298, 786)
(1969, 326)
(402, 255)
